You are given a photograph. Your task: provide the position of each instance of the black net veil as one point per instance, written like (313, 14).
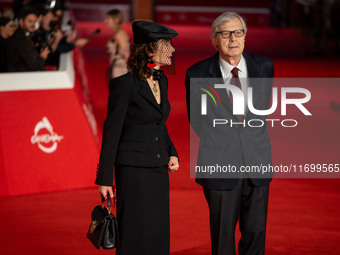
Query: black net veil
(166, 48)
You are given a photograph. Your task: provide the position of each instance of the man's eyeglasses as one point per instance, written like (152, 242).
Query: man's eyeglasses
(227, 34)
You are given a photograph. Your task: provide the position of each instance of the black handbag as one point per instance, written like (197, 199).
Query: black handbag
(103, 230)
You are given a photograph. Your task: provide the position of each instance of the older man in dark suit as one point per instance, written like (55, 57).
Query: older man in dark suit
(242, 197)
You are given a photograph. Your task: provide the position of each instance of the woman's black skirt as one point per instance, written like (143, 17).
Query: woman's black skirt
(143, 210)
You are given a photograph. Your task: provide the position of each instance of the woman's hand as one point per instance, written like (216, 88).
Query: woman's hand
(104, 190)
(173, 164)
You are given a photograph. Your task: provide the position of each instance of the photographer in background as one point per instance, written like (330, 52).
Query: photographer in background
(69, 41)
(48, 34)
(59, 40)
(22, 56)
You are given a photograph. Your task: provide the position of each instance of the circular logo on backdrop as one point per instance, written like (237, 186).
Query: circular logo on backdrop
(45, 137)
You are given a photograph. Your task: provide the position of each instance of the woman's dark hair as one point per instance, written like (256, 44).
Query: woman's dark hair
(115, 13)
(138, 59)
(4, 21)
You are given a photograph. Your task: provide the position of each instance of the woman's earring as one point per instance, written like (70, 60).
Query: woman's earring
(151, 64)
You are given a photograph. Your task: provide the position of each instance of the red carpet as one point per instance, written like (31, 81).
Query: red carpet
(303, 219)
(303, 213)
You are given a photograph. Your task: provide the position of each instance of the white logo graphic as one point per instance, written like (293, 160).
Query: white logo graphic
(238, 105)
(238, 102)
(46, 142)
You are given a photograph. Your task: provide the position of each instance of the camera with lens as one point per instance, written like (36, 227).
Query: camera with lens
(39, 40)
(55, 25)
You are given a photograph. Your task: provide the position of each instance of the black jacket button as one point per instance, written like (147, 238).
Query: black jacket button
(158, 156)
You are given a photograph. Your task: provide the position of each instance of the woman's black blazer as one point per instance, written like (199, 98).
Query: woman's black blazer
(135, 133)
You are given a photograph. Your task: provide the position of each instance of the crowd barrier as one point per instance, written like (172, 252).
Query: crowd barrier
(48, 139)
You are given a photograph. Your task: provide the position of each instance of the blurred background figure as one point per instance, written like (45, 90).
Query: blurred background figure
(7, 29)
(48, 34)
(63, 28)
(7, 12)
(22, 56)
(64, 34)
(118, 46)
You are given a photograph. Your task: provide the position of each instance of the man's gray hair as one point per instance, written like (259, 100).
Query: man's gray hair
(226, 17)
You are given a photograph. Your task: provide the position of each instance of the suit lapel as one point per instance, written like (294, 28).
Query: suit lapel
(163, 89)
(146, 92)
(254, 72)
(215, 72)
(214, 67)
(252, 67)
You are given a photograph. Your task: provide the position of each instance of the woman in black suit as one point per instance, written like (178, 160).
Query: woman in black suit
(137, 143)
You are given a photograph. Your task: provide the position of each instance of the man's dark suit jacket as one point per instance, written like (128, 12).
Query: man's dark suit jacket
(135, 133)
(22, 55)
(236, 145)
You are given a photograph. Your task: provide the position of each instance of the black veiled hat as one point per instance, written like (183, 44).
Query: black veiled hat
(147, 31)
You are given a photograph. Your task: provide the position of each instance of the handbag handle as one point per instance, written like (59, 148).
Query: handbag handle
(108, 199)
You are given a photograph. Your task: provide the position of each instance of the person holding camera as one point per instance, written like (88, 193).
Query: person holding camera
(59, 41)
(22, 56)
(49, 33)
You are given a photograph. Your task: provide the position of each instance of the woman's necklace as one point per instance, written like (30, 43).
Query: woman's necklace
(155, 88)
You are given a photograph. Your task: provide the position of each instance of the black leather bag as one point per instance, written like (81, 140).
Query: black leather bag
(103, 230)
